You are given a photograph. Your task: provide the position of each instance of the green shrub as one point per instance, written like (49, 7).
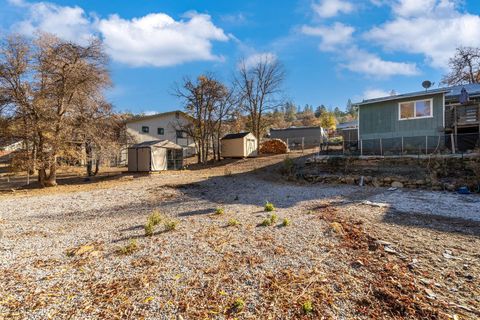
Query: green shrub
(130, 248)
(286, 222)
(171, 225)
(219, 211)
(233, 222)
(269, 207)
(273, 218)
(149, 228)
(238, 305)
(266, 222)
(307, 307)
(155, 217)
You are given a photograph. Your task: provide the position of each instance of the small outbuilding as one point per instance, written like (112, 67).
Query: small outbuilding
(239, 145)
(156, 155)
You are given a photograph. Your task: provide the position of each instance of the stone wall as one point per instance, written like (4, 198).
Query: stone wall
(436, 173)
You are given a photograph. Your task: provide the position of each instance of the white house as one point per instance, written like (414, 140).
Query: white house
(162, 126)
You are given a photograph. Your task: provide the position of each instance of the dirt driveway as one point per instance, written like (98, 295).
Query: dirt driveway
(329, 251)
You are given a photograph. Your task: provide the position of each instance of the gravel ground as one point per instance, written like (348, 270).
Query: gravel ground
(59, 253)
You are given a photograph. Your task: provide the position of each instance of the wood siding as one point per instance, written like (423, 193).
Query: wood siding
(381, 120)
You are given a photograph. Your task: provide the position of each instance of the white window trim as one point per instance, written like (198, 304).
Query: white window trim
(414, 109)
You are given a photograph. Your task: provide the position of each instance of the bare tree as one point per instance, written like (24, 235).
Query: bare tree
(202, 99)
(47, 83)
(259, 88)
(464, 66)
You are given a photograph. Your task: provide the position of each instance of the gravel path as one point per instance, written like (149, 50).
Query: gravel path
(170, 268)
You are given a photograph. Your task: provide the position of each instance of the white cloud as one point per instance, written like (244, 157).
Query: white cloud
(374, 93)
(370, 64)
(432, 28)
(256, 58)
(157, 39)
(331, 8)
(69, 23)
(332, 37)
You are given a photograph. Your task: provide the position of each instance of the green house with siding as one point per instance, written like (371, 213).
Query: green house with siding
(427, 119)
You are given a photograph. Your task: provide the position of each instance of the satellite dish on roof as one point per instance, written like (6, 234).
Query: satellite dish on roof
(427, 84)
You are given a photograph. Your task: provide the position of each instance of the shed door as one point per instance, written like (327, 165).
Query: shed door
(143, 159)
(132, 159)
(159, 159)
(251, 147)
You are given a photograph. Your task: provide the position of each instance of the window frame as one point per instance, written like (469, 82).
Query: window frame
(415, 109)
(147, 131)
(163, 131)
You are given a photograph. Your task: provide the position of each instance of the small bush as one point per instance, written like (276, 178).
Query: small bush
(130, 248)
(269, 207)
(286, 222)
(219, 211)
(233, 222)
(149, 228)
(171, 225)
(155, 218)
(238, 305)
(337, 228)
(307, 307)
(273, 218)
(266, 222)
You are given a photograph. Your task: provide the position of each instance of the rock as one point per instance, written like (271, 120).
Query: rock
(420, 182)
(397, 184)
(430, 293)
(349, 180)
(387, 179)
(449, 187)
(389, 250)
(376, 183)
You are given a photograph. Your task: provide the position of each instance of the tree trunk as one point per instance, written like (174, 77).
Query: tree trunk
(97, 166)
(88, 152)
(51, 181)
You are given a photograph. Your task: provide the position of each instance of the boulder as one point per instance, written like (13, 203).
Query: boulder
(397, 184)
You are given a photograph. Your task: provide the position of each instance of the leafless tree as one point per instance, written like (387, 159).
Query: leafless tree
(464, 67)
(260, 88)
(47, 84)
(209, 103)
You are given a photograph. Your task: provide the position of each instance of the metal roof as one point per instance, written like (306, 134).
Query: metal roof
(157, 115)
(451, 93)
(296, 128)
(347, 125)
(158, 144)
(231, 136)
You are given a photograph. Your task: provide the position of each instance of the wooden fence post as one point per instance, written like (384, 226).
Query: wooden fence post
(361, 147)
(402, 145)
(381, 147)
(426, 145)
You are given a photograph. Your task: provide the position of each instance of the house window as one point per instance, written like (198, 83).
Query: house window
(415, 109)
(160, 131)
(181, 134)
(145, 129)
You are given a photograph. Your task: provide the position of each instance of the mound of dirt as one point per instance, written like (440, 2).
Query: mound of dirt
(275, 146)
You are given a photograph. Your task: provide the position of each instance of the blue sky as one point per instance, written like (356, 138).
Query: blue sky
(332, 50)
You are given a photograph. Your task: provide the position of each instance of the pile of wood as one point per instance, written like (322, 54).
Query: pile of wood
(275, 146)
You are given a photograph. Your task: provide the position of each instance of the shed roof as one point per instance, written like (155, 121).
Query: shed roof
(167, 144)
(348, 125)
(296, 128)
(451, 93)
(235, 135)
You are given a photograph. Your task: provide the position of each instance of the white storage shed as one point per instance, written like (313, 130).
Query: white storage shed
(156, 155)
(239, 145)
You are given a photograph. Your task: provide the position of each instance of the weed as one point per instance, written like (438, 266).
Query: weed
(266, 222)
(273, 218)
(227, 172)
(219, 211)
(286, 222)
(149, 228)
(238, 305)
(171, 225)
(155, 217)
(233, 222)
(130, 248)
(307, 307)
(269, 207)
